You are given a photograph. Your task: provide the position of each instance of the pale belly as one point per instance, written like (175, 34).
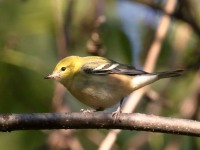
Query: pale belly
(99, 92)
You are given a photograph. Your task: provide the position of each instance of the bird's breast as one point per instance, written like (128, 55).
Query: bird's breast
(101, 91)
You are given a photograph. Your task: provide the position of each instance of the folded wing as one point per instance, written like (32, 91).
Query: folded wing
(110, 67)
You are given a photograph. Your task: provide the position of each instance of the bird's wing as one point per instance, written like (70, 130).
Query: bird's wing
(102, 67)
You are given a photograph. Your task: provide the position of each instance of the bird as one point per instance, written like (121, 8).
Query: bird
(100, 83)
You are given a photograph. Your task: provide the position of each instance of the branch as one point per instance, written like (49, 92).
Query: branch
(184, 12)
(98, 120)
(148, 66)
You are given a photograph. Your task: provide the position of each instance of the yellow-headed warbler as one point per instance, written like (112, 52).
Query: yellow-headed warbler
(100, 82)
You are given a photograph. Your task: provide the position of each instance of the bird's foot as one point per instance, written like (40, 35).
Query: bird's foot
(87, 111)
(116, 114)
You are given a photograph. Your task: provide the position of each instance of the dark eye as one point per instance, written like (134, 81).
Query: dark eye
(63, 68)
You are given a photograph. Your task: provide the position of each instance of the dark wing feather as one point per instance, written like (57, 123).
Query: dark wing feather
(111, 67)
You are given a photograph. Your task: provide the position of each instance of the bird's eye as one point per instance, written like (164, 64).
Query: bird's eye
(63, 68)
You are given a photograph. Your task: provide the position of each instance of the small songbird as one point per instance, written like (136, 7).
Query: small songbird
(99, 82)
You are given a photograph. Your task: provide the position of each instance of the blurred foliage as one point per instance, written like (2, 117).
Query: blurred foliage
(28, 52)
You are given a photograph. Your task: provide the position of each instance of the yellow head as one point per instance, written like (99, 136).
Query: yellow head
(64, 70)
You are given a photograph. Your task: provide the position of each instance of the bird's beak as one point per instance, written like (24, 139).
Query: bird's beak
(52, 76)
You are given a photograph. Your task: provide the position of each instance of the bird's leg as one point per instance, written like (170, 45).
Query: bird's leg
(116, 113)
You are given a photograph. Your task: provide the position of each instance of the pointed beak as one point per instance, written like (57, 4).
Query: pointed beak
(52, 76)
(48, 77)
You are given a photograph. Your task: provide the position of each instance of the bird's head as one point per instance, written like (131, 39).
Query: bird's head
(64, 69)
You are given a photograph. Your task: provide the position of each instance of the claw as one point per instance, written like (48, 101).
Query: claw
(116, 114)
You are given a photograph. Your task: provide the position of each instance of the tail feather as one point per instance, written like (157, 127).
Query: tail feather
(145, 79)
(169, 74)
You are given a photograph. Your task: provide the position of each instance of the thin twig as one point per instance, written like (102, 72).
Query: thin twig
(185, 12)
(150, 63)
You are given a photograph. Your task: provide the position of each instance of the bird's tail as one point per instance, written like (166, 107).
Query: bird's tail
(169, 74)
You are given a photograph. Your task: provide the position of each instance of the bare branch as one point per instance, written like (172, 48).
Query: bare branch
(148, 66)
(59, 29)
(185, 12)
(98, 120)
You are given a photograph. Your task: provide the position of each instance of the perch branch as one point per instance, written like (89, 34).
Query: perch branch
(98, 120)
